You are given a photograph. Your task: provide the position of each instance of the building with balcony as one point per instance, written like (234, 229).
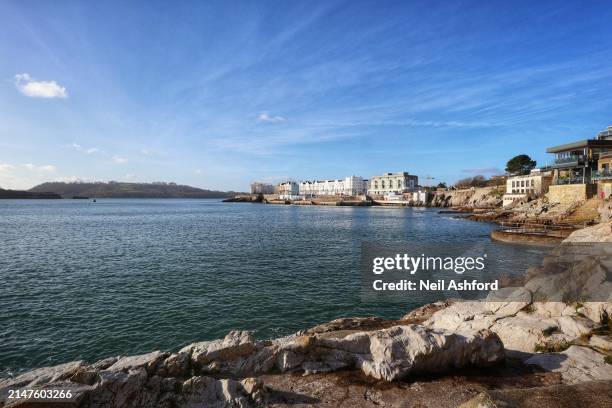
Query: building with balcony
(261, 188)
(604, 168)
(577, 162)
(392, 183)
(526, 187)
(349, 186)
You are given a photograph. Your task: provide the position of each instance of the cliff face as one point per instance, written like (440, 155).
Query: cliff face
(484, 197)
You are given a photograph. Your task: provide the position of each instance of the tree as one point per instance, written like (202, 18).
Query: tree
(441, 185)
(521, 164)
(476, 181)
(479, 181)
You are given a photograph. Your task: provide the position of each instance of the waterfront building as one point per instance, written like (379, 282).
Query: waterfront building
(287, 190)
(576, 171)
(419, 197)
(262, 188)
(349, 186)
(527, 186)
(576, 163)
(392, 183)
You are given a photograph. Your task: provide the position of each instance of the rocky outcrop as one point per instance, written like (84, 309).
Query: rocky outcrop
(219, 372)
(598, 233)
(483, 197)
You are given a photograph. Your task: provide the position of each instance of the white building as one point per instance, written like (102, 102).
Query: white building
(528, 186)
(419, 197)
(288, 190)
(261, 188)
(396, 183)
(349, 186)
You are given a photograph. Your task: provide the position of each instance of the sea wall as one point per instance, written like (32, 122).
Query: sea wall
(570, 193)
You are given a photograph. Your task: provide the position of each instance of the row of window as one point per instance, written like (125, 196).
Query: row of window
(399, 184)
(523, 191)
(522, 183)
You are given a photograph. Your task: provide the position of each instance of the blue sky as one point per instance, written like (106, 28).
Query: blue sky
(217, 94)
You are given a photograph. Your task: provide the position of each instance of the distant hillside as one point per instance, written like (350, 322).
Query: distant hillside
(26, 194)
(114, 189)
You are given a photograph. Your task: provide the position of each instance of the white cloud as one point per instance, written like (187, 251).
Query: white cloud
(39, 89)
(81, 149)
(120, 159)
(6, 167)
(46, 167)
(266, 117)
(146, 152)
(198, 171)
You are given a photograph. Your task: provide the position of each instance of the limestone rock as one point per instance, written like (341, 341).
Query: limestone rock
(42, 376)
(601, 342)
(210, 392)
(597, 233)
(403, 350)
(523, 331)
(147, 361)
(576, 364)
(463, 316)
(425, 312)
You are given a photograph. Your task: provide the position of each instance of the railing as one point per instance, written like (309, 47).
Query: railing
(571, 180)
(561, 230)
(602, 175)
(570, 159)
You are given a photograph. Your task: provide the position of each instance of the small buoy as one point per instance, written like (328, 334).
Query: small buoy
(94, 200)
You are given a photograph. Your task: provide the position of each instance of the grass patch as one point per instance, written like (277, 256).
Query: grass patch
(552, 347)
(608, 359)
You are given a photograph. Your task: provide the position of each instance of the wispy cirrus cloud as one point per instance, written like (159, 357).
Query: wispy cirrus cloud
(44, 168)
(32, 88)
(266, 117)
(6, 167)
(120, 159)
(81, 149)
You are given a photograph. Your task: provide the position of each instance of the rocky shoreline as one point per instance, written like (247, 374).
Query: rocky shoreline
(513, 349)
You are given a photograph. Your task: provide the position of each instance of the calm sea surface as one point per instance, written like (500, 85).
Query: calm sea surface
(83, 280)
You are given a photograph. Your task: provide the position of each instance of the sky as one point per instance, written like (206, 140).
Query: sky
(218, 94)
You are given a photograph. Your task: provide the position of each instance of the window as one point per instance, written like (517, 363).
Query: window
(383, 184)
(532, 183)
(376, 184)
(399, 183)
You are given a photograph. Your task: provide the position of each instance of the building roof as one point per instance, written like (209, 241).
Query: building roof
(580, 144)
